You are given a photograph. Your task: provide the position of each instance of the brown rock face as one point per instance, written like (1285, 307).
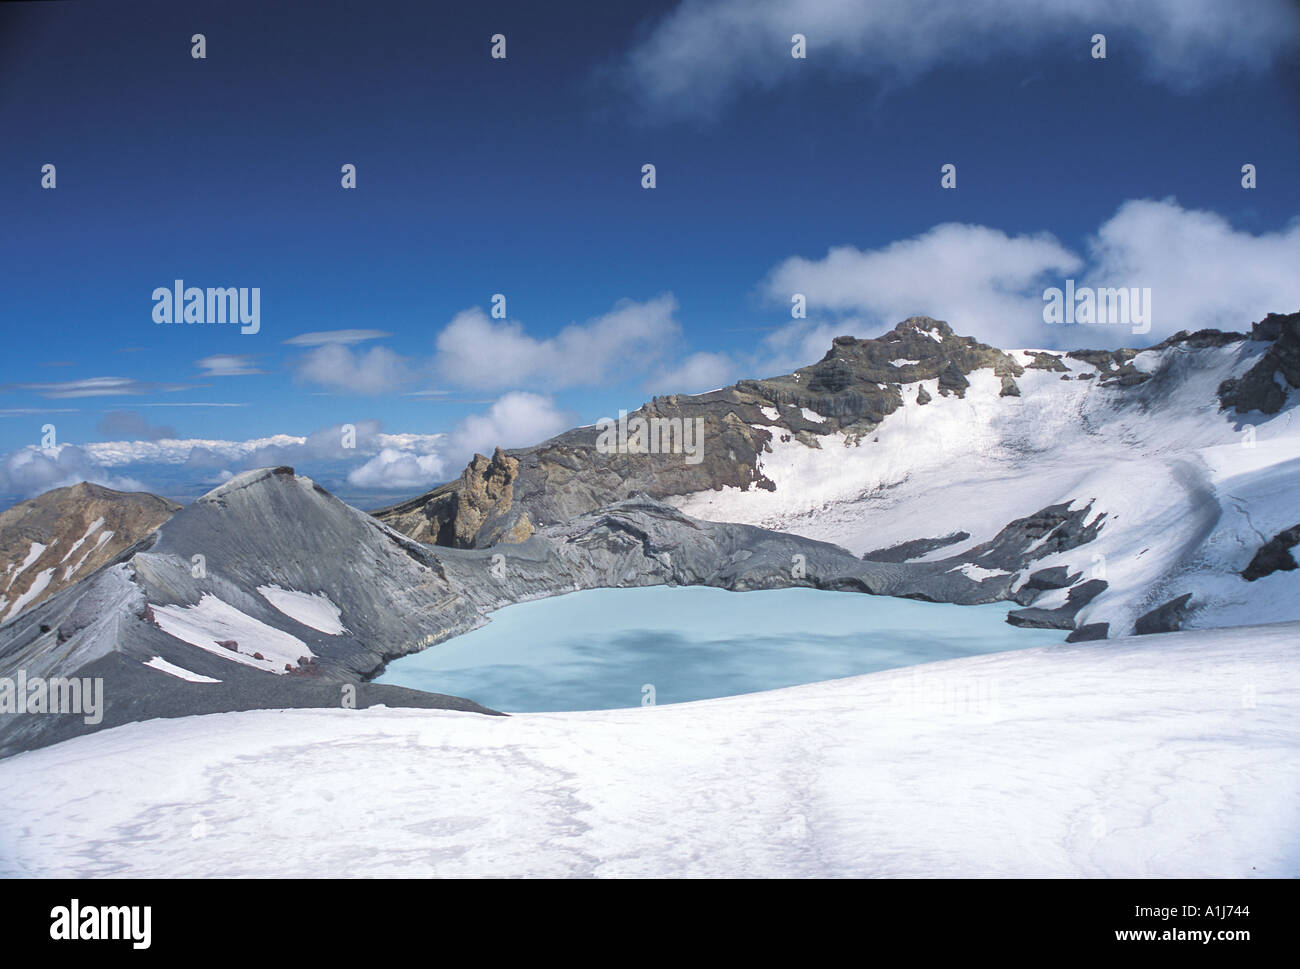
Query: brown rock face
(455, 513)
(59, 538)
(487, 490)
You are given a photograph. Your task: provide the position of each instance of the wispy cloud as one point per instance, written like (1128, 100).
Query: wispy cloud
(99, 387)
(325, 337)
(228, 365)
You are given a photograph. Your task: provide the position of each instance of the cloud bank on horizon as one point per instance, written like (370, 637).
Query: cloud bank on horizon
(358, 456)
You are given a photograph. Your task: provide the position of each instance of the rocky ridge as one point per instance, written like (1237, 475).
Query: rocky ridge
(854, 387)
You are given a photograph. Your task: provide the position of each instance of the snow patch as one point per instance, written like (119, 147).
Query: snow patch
(1147, 361)
(978, 573)
(316, 611)
(213, 621)
(180, 672)
(35, 552)
(94, 527)
(37, 587)
(71, 570)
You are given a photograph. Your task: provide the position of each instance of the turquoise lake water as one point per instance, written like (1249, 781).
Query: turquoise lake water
(599, 649)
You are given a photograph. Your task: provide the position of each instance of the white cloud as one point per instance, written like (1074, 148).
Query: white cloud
(228, 365)
(375, 371)
(516, 420)
(322, 444)
(803, 342)
(30, 471)
(378, 461)
(1202, 272)
(981, 280)
(397, 470)
(325, 444)
(117, 454)
(696, 374)
(99, 387)
(325, 337)
(706, 52)
(987, 284)
(475, 351)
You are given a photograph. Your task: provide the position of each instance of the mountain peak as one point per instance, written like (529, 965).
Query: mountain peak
(247, 479)
(924, 324)
(64, 535)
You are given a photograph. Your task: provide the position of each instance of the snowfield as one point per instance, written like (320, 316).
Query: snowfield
(1169, 755)
(1189, 493)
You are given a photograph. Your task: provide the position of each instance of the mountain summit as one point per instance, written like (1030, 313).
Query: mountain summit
(66, 534)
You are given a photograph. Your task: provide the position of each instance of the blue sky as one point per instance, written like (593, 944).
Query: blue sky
(522, 176)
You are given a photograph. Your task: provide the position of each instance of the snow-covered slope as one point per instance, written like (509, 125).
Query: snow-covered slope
(1163, 755)
(1143, 482)
(1186, 493)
